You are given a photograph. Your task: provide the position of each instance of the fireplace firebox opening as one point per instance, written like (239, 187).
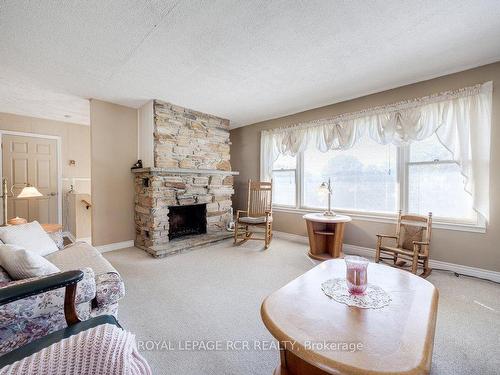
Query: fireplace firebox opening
(187, 220)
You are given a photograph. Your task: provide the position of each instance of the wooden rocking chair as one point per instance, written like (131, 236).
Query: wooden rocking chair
(258, 214)
(411, 242)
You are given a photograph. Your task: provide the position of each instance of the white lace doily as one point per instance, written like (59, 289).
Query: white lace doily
(373, 298)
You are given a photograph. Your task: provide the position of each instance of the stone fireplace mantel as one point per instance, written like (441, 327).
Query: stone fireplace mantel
(185, 171)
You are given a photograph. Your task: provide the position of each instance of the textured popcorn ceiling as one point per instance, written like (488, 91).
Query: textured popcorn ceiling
(243, 60)
(23, 96)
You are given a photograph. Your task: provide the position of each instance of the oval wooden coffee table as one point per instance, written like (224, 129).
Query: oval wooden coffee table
(395, 339)
(326, 234)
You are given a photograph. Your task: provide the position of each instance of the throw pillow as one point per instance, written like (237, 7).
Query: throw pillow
(30, 236)
(23, 264)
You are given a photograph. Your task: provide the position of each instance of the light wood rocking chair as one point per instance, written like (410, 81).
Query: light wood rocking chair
(411, 242)
(258, 214)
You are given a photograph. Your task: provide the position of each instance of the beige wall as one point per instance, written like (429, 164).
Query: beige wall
(79, 216)
(466, 248)
(75, 145)
(114, 151)
(75, 140)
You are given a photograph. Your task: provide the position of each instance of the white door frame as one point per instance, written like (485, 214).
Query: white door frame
(59, 163)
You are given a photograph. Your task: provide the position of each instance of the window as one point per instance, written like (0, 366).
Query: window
(371, 178)
(364, 177)
(285, 181)
(435, 183)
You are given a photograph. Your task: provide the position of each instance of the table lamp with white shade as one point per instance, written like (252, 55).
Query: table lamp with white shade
(27, 192)
(327, 188)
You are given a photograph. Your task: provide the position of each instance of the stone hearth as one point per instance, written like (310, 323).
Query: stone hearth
(191, 167)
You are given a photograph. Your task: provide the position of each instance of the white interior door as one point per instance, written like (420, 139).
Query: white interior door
(31, 160)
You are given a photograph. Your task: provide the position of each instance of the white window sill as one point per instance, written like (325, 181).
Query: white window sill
(387, 218)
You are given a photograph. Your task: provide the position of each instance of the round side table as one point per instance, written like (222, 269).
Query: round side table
(326, 234)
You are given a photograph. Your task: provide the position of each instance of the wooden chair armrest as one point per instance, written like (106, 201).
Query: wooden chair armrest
(387, 236)
(68, 279)
(58, 280)
(421, 247)
(239, 212)
(420, 243)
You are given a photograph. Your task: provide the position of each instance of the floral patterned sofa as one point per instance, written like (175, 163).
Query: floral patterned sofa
(33, 317)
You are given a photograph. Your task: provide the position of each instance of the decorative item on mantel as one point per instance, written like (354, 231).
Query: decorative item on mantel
(137, 165)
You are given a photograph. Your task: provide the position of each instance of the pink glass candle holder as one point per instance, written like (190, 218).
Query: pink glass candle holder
(356, 274)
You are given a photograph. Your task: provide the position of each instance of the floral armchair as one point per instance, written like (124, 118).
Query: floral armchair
(33, 317)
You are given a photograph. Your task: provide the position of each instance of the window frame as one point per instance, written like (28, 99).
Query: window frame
(477, 222)
(402, 188)
(295, 170)
(349, 211)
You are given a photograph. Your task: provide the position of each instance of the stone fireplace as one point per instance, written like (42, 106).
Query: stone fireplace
(183, 197)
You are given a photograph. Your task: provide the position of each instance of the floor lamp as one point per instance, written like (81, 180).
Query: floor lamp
(27, 192)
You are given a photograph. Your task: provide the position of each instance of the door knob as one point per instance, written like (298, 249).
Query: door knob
(52, 194)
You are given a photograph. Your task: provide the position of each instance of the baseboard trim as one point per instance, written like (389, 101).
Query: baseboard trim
(115, 246)
(291, 236)
(359, 250)
(85, 239)
(466, 270)
(368, 252)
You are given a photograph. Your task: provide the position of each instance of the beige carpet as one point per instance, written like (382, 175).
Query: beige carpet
(213, 295)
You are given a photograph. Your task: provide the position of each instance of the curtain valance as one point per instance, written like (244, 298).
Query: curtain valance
(461, 119)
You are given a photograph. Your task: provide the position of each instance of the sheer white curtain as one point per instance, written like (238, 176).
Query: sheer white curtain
(460, 118)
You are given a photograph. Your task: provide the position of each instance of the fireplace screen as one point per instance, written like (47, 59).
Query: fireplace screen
(186, 220)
